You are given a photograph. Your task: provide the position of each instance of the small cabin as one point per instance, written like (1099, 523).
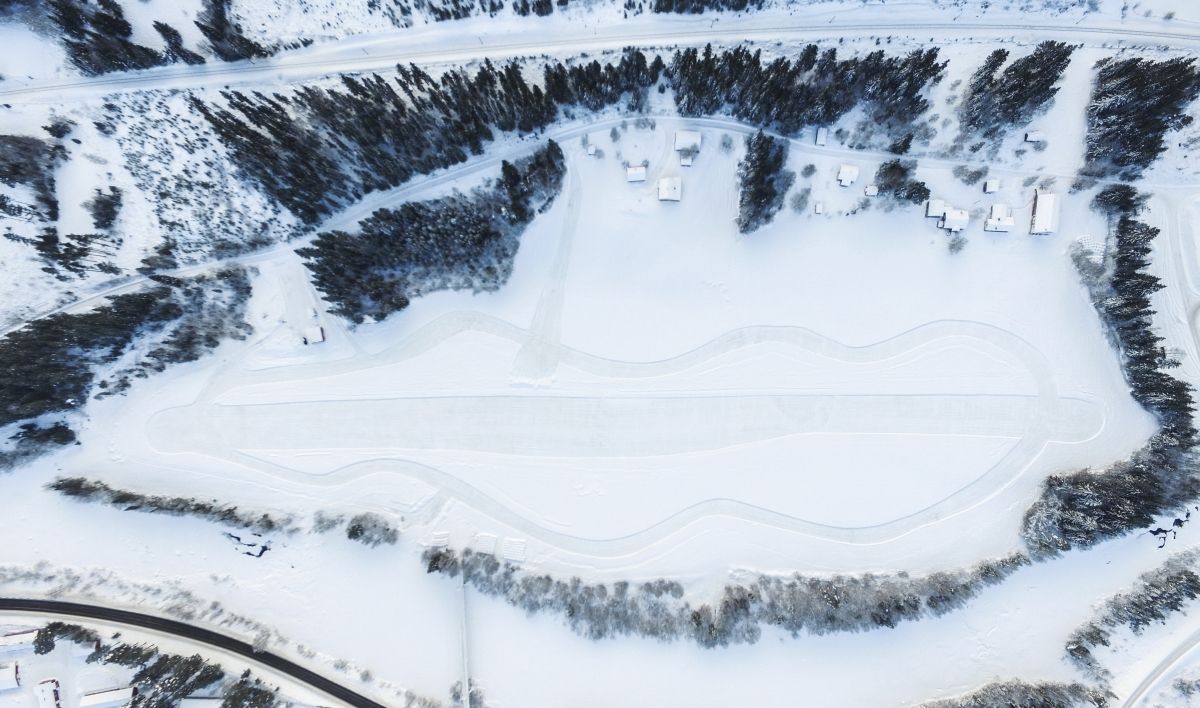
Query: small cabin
(991, 186)
(1035, 136)
(10, 677)
(687, 140)
(819, 208)
(17, 640)
(112, 698)
(637, 173)
(935, 208)
(314, 334)
(670, 189)
(871, 191)
(822, 137)
(999, 218)
(955, 220)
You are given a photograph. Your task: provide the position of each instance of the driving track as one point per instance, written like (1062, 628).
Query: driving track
(317, 682)
(224, 422)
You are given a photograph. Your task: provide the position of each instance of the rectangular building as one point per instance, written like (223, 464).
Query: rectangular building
(1045, 213)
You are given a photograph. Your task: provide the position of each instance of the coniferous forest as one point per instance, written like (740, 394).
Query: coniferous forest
(1086, 507)
(1135, 103)
(763, 181)
(995, 102)
(462, 241)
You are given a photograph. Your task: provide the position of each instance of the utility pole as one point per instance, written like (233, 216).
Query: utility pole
(466, 674)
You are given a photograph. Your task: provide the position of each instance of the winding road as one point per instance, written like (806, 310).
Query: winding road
(58, 609)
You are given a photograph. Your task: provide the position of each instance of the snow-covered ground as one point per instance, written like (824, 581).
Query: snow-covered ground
(650, 395)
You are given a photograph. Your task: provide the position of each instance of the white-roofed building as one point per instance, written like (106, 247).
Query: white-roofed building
(954, 220)
(1045, 213)
(200, 702)
(999, 218)
(112, 698)
(10, 677)
(871, 191)
(991, 186)
(687, 140)
(822, 136)
(1035, 136)
(670, 189)
(591, 150)
(48, 693)
(819, 208)
(935, 208)
(17, 640)
(847, 175)
(314, 335)
(637, 173)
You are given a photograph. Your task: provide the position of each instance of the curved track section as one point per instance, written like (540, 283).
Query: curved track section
(317, 682)
(560, 424)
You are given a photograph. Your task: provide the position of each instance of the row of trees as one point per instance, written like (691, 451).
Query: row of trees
(1156, 595)
(793, 603)
(367, 528)
(162, 680)
(1135, 103)
(994, 102)
(1086, 507)
(1018, 694)
(461, 241)
(83, 489)
(814, 89)
(763, 181)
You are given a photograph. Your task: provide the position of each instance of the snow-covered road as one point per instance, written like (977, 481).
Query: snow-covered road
(470, 40)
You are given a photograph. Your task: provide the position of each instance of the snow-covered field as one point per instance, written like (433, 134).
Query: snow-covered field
(651, 394)
(739, 400)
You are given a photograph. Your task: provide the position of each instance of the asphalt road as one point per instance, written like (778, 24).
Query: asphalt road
(193, 633)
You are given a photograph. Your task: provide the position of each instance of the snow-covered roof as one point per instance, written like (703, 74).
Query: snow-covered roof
(47, 693)
(935, 207)
(1000, 218)
(871, 190)
(200, 702)
(111, 698)
(1045, 213)
(847, 174)
(991, 186)
(591, 150)
(687, 139)
(819, 208)
(314, 335)
(10, 677)
(17, 639)
(955, 219)
(670, 189)
(637, 173)
(822, 136)
(1035, 136)
(686, 159)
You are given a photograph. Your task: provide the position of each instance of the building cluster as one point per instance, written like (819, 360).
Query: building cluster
(1000, 216)
(670, 188)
